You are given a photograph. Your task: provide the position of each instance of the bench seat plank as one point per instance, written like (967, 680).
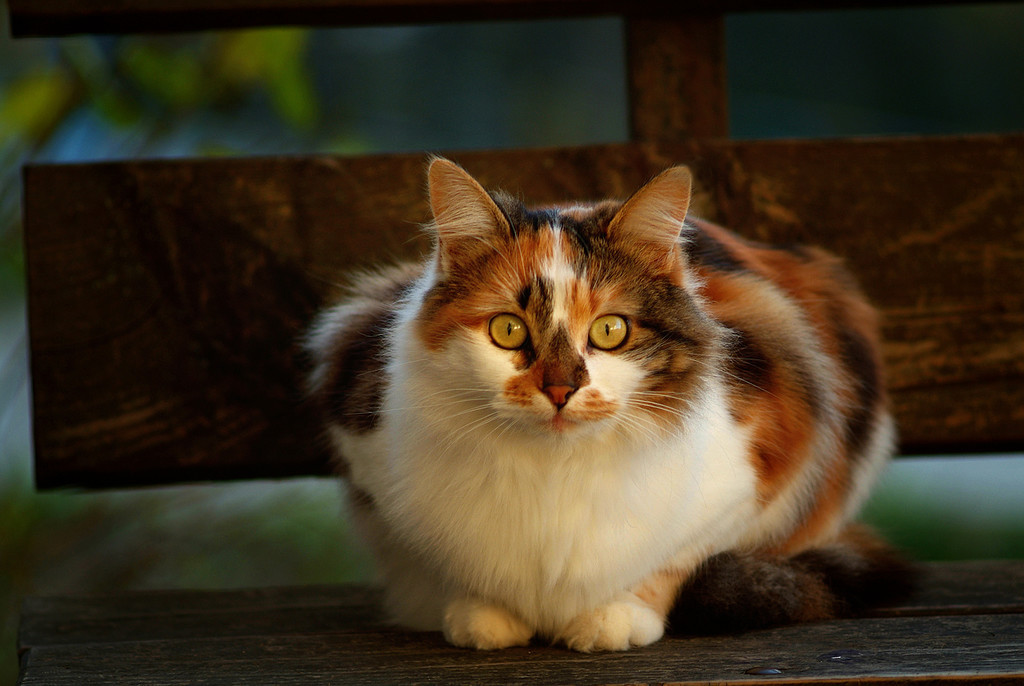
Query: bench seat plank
(966, 622)
(951, 588)
(218, 265)
(945, 650)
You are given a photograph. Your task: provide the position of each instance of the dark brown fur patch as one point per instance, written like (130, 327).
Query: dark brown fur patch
(704, 249)
(350, 392)
(353, 395)
(860, 359)
(741, 591)
(561, 364)
(747, 363)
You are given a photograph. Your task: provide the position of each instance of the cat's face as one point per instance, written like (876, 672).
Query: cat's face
(565, 321)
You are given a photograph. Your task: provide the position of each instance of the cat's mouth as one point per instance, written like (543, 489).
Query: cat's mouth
(580, 414)
(559, 423)
(567, 421)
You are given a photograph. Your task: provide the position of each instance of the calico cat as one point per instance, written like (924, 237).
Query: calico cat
(567, 421)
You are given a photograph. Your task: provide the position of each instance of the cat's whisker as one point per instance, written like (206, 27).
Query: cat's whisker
(646, 426)
(505, 425)
(469, 395)
(656, 404)
(454, 437)
(657, 400)
(720, 370)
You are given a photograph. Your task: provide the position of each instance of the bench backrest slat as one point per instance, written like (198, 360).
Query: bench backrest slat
(166, 296)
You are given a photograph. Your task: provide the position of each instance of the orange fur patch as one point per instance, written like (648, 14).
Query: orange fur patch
(782, 423)
(832, 313)
(661, 589)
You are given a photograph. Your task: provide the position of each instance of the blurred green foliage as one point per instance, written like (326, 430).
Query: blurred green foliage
(952, 508)
(275, 58)
(929, 531)
(180, 75)
(34, 104)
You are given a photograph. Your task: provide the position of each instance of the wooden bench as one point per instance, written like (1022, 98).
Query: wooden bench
(166, 296)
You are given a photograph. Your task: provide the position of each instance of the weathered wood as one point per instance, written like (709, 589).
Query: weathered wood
(933, 228)
(964, 587)
(334, 635)
(966, 650)
(676, 77)
(167, 615)
(182, 289)
(165, 297)
(949, 588)
(65, 17)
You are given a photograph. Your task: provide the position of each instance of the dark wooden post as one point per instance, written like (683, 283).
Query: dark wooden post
(676, 70)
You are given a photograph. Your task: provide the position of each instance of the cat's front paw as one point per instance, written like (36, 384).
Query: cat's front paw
(471, 623)
(620, 625)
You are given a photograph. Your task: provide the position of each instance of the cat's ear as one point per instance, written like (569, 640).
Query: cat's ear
(654, 216)
(464, 213)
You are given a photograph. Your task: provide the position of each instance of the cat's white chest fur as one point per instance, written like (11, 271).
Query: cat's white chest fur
(547, 527)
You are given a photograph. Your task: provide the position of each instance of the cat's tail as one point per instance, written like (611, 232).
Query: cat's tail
(737, 591)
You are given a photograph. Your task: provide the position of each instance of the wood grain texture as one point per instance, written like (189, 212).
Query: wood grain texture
(166, 297)
(948, 588)
(934, 229)
(943, 650)
(334, 635)
(965, 587)
(676, 76)
(66, 17)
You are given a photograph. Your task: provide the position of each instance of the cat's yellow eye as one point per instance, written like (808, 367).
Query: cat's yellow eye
(608, 332)
(508, 331)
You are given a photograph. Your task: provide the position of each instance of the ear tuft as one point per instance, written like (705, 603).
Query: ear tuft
(463, 210)
(655, 213)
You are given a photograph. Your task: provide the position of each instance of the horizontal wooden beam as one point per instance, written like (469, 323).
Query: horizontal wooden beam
(965, 627)
(165, 297)
(992, 587)
(66, 17)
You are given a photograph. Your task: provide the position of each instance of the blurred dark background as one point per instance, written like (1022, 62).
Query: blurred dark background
(943, 70)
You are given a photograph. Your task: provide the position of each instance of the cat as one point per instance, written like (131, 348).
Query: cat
(585, 422)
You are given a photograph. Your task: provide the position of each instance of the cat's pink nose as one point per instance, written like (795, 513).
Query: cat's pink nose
(559, 395)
